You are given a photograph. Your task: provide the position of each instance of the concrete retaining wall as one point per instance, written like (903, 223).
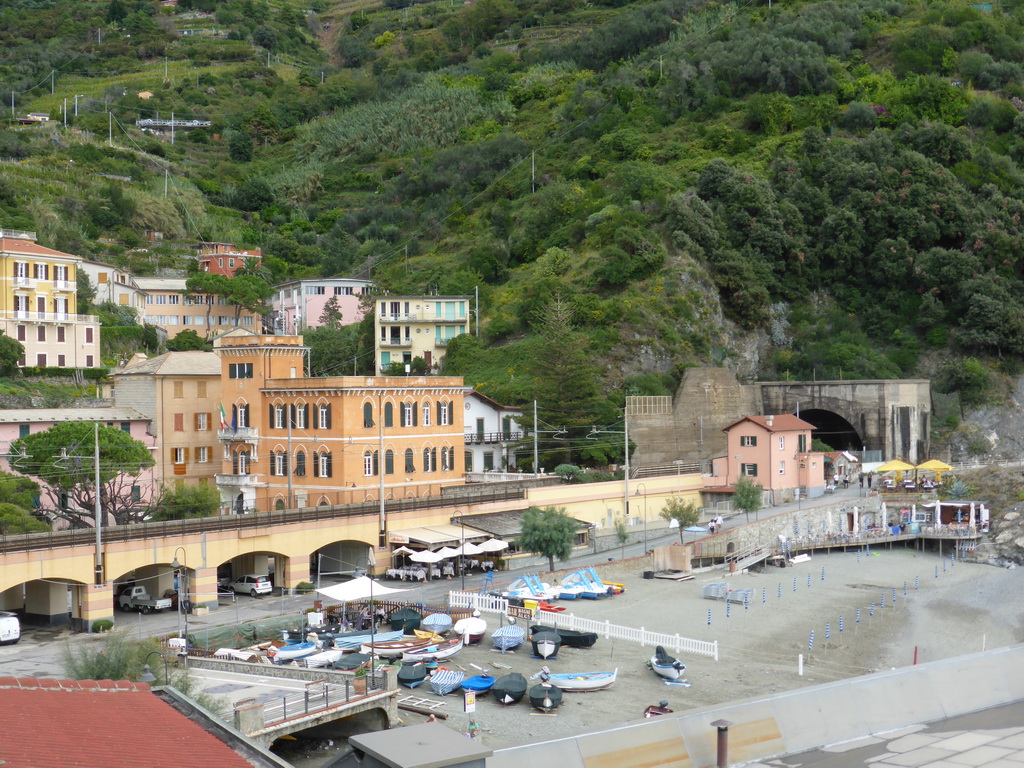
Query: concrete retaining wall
(794, 721)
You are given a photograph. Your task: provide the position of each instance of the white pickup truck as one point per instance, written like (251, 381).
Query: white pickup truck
(10, 628)
(137, 599)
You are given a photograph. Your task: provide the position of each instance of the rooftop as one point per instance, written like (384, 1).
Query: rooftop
(42, 415)
(116, 724)
(779, 422)
(175, 364)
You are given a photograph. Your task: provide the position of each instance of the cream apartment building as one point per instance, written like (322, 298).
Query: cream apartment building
(407, 327)
(169, 306)
(39, 304)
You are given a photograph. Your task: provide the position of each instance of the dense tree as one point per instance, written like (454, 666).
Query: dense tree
(19, 491)
(683, 513)
(61, 457)
(188, 340)
(548, 532)
(11, 353)
(186, 502)
(749, 496)
(14, 519)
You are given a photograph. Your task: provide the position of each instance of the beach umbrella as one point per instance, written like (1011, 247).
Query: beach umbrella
(493, 545)
(446, 552)
(468, 548)
(403, 550)
(898, 466)
(856, 520)
(936, 466)
(972, 514)
(426, 556)
(356, 589)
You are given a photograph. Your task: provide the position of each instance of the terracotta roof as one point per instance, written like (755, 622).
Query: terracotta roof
(116, 724)
(781, 422)
(17, 245)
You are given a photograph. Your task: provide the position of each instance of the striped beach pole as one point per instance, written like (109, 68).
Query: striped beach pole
(894, 597)
(917, 582)
(764, 595)
(883, 601)
(943, 565)
(858, 554)
(746, 602)
(728, 607)
(779, 591)
(823, 573)
(709, 617)
(858, 616)
(840, 625)
(936, 571)
(871, 612)
(904, 589)
(794, 583)
(828, 629)
(810, 643)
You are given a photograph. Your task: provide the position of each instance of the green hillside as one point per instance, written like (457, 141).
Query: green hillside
(812, 190)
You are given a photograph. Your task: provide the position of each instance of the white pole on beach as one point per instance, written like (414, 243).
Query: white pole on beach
(800, 664)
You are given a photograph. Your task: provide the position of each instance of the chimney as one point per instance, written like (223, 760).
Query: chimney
(768, 419)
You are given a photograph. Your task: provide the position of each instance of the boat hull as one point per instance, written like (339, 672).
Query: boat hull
(441, 651)
(445, 681)
(582, 681)
(546, 644)
(509, 689)
(294, 651)
(507, 638)
(478, 683)
(412, 675)
(545, 697)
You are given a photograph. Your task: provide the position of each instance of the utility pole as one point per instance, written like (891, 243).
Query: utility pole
(165, 67)
(110, 129)
(99, 511)
(52, 72)
(535, 433)
(65, 110)
(172, 128)
(476, 292)
(533, 171)
(167, 172)
(12, 105)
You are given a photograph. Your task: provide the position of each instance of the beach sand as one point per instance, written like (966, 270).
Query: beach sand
(966, 608)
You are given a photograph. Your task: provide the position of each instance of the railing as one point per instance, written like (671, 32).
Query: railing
(399, 318)
(242, 433)
(18, 233)
(396, 342)
(53, 317)
(677, 468)
(316, 698)
(494, 604)
(478, 438)
(64, 285)
(497, 476)
(23, 280)
(239, 481)
(24, 542)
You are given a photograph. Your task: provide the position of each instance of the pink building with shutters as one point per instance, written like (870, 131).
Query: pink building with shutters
(773, 451)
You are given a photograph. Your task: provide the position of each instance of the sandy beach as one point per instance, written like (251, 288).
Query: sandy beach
(961, 610)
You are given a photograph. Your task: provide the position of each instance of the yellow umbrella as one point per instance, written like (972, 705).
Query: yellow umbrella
(896, 465)
(936, 466)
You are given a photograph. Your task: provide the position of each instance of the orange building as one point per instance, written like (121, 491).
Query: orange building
(292, 441)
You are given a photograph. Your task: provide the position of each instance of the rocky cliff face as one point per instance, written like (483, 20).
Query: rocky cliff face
(1005, 544)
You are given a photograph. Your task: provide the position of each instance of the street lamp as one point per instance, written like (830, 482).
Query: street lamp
(642, 486)
(182, 581)
(147, 676)
(373, 617)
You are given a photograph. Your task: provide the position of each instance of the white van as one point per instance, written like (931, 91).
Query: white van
(10, 628)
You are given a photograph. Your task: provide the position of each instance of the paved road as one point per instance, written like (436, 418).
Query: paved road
(37, 655)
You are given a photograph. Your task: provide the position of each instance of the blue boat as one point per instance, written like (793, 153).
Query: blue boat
(508, 637)
(478, 683)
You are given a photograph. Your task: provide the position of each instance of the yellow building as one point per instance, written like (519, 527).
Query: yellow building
(407, 327)
(169, 306)
(180, 393)
(292, 441)
(39, 301)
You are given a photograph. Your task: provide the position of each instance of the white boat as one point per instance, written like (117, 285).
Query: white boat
(291, 652)
(473, 627)
(667, 666)
(579, 681)
(323, 659)
(436, 651)
(444, 681)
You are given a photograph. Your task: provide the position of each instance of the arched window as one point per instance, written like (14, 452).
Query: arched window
(389, 462)
(389, 415)
(427, 464)
(367, 415)
(280, 462)
(323, 412)
(446, 453)
(240, 463)
(325, 464)
(368, 464)
(279, 504)
(443, 413)
(273, 463)
(300, 464)
(425, 417)
(300, 416)
(410, 464)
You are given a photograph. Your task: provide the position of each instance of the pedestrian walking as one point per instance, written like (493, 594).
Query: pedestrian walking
(869, 481)
(846, 481)
(711, 526)
(861, 479)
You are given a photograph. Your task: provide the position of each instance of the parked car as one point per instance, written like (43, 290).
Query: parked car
(138, 599)
(10, 628)
(253, 584)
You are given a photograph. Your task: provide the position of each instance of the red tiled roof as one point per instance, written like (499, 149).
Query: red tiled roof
(109, 723)
(781, 422)
(16, 245)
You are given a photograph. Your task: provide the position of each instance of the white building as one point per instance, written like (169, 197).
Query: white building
(492, 432)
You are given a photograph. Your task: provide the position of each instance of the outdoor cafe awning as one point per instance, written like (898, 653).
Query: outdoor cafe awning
(436, 535)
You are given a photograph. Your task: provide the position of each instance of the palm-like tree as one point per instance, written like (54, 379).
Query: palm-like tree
(252, 265)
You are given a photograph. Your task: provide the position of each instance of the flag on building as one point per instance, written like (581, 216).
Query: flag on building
(223, 418)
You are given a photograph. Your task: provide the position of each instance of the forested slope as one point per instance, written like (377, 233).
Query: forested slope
(816, 189)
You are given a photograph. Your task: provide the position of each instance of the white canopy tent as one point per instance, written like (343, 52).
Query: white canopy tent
(426, 556)
(356, 589)
(492, 545)
(468, 548)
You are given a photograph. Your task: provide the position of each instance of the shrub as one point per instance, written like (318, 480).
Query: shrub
(102, 625)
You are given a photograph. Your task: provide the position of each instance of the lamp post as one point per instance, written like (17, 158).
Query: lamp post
(182, 581)
(147, 676)
(640, 486)
(373, 617)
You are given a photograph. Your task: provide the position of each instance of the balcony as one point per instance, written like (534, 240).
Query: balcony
(399, 318)
(239, 481)
(23, 281)
(249, 435)
(396, 342)
(50, 317)
(483, 438)
(64, 285)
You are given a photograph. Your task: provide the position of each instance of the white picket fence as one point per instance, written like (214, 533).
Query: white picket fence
(605, 629)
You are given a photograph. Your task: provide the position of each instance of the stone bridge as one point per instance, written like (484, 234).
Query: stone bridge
(892, 416)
